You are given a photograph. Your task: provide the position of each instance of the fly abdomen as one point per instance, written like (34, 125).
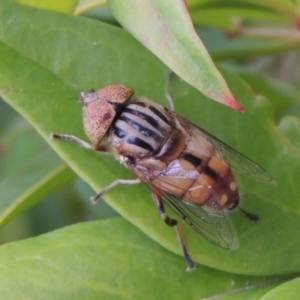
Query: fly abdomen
(215, 187)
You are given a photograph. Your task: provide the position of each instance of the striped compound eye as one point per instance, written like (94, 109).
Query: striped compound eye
(100, 109)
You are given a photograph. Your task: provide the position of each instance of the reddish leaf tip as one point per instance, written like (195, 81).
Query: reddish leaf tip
(231, 102)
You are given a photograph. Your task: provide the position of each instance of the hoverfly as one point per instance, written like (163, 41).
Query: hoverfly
(183, 165)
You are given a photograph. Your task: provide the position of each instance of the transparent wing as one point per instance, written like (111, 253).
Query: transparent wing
(213, 225)
(236, 160)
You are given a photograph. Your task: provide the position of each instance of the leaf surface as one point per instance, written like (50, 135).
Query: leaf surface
(75, 53)
(111, 260)
(165, 28)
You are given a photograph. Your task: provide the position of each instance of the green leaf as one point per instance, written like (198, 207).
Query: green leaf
(247, 25)
(165, 28)
(288, 290)
(66, 6)
(221, 47)
(290, 128)
(40, 176)
(283, 95)
(226, 14)
(85, 5)
(30, 170)
(111, 260)
(74, 53)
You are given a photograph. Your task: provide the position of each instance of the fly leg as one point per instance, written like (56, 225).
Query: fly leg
(72, 138)
(77, 141)
(156, 194)
(101, 148)
(112, 185)
(168, 93)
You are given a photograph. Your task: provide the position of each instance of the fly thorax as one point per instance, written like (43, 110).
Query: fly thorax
(140, 129)
(172, 147)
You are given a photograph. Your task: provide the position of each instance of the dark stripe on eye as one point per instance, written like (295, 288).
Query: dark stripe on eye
(119, 132)
(138, 142)
(210, 172)
(138, 127)
(159, 114)
(143, 116)
(192, 159)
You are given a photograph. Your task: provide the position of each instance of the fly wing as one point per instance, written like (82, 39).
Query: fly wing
(236, 160)
(213, 225)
